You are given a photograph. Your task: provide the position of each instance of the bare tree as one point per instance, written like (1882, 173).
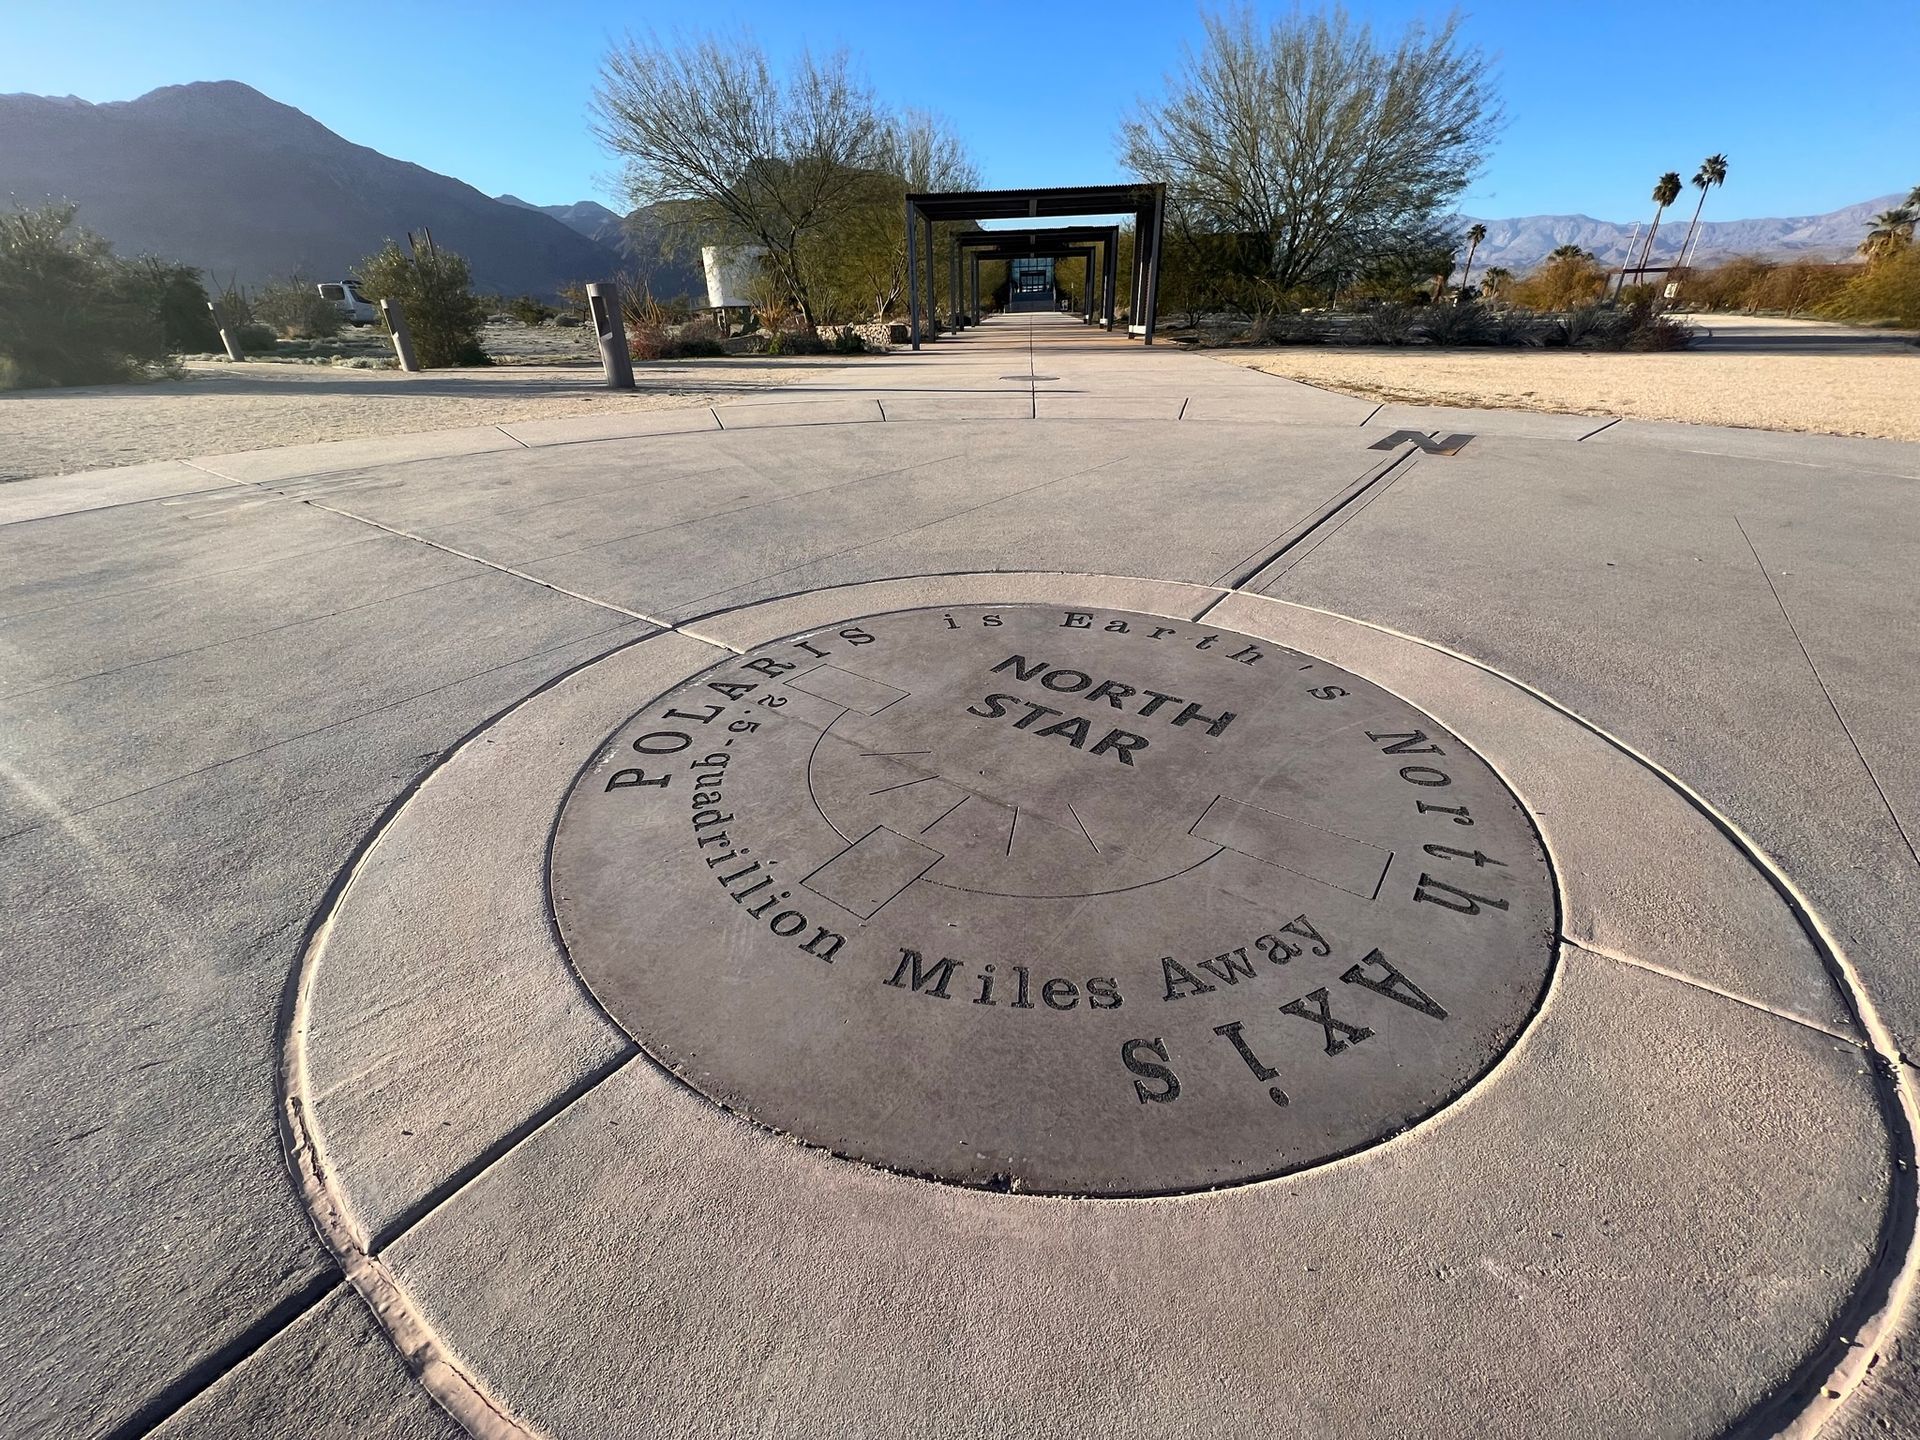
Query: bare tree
(1311, 133)
(920, 153)
(740, 153)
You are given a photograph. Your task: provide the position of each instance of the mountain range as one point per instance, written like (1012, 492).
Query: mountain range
(1520, 244)
(219, 176)
(222, 177)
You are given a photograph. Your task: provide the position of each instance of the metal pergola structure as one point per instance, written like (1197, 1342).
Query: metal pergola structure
(1146, 202)
(977, 253)
(1063, 242)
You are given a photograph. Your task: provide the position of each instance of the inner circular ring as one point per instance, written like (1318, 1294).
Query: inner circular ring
(1092, 903)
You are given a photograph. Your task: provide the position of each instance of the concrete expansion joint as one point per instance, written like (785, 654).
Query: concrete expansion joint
(1694, 982)
(1870, 1323)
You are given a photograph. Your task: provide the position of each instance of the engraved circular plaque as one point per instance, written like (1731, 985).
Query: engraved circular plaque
(1067, 901)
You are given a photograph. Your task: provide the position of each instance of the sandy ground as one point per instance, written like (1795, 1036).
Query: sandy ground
(1871, 388)
(219, 407)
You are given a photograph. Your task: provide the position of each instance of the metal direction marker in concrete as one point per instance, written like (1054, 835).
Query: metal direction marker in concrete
(1077, 902)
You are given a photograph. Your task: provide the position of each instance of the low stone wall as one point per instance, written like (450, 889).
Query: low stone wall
(879, 334)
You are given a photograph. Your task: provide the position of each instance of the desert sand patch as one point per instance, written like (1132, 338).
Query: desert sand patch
(1874, 395)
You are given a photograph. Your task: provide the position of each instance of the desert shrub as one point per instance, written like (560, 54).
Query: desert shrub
(1654, 331)
(1517, 327)
(176, 299)
(1456, 324)
(436, 288)
(1595, 324)
(1564, 282)
(1389, 324)
(793, 342)
(1887, 290)
(528, 310)
(1803, 285)
(295, 309)
(848, 342)
(648, 341)
(255, 338)
(1284, 327)
(1732, 286)
(70, 313)
(1635, 294)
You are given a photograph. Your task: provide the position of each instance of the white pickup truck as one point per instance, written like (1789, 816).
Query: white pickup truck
(357, 309)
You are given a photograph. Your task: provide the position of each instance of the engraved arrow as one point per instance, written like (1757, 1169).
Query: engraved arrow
(1450, 446)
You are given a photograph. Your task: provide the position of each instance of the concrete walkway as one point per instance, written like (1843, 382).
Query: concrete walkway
(315, 1130)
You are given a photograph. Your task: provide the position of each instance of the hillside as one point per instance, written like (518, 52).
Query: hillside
(220, 176)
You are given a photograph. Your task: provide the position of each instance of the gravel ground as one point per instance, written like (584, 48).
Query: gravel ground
(1765, 375)
(218, 406)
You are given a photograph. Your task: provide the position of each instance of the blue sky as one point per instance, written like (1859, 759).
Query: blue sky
(1814, 104)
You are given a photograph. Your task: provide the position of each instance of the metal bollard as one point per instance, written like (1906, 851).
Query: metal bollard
(226, 335)
(396, 316)
(609, 326)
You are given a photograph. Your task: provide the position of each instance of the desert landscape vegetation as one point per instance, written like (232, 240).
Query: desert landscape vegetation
(1399, 297)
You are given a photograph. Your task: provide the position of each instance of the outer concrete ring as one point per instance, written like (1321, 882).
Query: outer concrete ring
(1799, 1407)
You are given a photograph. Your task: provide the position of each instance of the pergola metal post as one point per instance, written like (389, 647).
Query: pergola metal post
(1136, 297)
(954, 301)
(1113, 272)
(913, 283)
(1153, 270)
(1146, 203)
(933, 299)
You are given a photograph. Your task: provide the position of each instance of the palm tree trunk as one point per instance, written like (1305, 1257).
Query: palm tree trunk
(1466, 273)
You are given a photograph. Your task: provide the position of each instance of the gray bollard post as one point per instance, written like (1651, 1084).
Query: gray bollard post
(610, 327)
(226, 335)
(396, 316)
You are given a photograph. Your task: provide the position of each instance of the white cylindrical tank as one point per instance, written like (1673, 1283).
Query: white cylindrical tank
(731, 270)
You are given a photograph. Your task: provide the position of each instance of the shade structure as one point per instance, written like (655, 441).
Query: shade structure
(1146, 202)
(1064, 241)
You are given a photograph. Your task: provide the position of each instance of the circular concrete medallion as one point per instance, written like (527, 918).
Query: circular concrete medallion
(1075, 902)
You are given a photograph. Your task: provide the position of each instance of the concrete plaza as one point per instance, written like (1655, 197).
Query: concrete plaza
(315, 1131)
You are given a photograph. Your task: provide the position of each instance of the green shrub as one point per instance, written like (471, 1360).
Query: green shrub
(1456, 324)
(177, 300)
(1889, 290)
(70, 313)
(435, 287)
(848, 342)
(295, 309)
(1285, 327)
(1597, 324)
(1387, 324)
(529, 311)
(254, 338)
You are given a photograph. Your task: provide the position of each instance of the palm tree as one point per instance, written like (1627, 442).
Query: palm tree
(1712, 172)
(1892, 231)
(1475, 234)
(1665, 192)
(1497, 278)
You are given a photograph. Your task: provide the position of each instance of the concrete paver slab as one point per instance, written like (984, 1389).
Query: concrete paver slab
(329, 1375)
(68, 494)
(1514, 1242)
(1671, 1205)
(261, 466)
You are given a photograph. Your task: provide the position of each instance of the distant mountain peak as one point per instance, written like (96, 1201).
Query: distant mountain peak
(218, 175)
(1520, 242)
